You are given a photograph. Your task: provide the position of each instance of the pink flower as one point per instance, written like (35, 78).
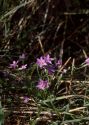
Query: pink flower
(22, 57)
(42, 84)
(26, 99)
(41, 62)
(87, 61)
(59, 62)
(44, 61)
(14, 64)
(48, 59)
(23, 67)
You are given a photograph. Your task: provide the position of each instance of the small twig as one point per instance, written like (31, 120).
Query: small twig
(41, 46)
(65, 64)
(74, 81)
(58, 27)
(77, 109)
(46, 13)
(15, 9)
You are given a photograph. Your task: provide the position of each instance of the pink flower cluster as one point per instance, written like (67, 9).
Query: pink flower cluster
(46, 62)
(15, 65)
